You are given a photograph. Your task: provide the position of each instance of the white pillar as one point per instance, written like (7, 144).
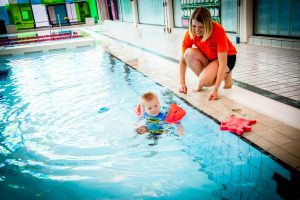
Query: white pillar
(101, 10)
(98, 10)
(245, 20)
(135, 12)
(170, 18)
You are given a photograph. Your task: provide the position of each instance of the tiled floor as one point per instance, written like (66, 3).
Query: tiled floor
(156, 54)
(273, 69)
(273, 72)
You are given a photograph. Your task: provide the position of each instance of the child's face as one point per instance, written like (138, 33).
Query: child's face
(152, 107)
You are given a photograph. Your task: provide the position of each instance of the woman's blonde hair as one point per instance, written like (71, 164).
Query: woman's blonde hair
(202, 15)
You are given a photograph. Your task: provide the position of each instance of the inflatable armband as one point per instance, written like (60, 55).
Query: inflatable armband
(138, 110)
(175, 114)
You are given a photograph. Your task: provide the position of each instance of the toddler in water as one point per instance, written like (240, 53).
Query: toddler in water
(150, 109)
(151, 113)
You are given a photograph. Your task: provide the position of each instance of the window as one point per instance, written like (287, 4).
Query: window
(277, 18)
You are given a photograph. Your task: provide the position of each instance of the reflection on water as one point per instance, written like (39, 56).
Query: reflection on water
(127, 74)
(288, 189)
(4, 75)
(67, 132)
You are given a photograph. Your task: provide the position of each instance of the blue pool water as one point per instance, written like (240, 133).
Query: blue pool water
(67, 132)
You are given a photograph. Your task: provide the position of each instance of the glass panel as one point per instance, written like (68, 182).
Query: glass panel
(177, 13)
(93, 10)
(127, 11)
(3, 14)
(278, 17)
(26, 12)
(25, 15)
(23, 1)
(71, 10)
(119, 6)
(3, 2)
(12, 1)
(229, 15)
(283, 17)
(36, 1)
(262, 17)
(273, 17)
(40, 16)
(151, 12)
(57, 13)
(60, 13)
(83, 10)
(295, 18)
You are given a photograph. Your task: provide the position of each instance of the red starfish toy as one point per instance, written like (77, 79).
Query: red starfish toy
(237, 125)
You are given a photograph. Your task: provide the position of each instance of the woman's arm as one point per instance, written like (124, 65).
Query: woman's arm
(222, 59)
(182, 71)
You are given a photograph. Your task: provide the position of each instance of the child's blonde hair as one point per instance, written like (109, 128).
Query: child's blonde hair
(203, 16)
(148, 96)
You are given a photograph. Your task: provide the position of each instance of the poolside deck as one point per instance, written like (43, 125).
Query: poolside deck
(266, 88)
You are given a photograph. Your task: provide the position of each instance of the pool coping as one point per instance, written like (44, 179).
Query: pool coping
(276, 147)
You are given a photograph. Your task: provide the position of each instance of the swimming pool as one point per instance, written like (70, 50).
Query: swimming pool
(67, 132)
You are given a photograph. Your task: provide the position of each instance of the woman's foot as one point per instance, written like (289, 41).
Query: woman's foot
(198, 89)
(228, 81)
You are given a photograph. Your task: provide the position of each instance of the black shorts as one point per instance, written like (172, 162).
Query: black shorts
(231, 62)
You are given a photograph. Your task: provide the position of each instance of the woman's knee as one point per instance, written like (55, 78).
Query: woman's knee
(194, 54)
(206, 82)
(189, 54)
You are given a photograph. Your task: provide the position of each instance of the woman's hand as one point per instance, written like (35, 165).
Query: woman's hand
(183, 89)
(213, 95)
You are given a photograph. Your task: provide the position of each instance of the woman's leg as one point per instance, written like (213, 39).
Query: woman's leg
(207, 72)
(228, 81)
(208, 76)
(195, 60)
(231, 59)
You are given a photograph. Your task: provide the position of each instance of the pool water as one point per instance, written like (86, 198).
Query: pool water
(67, 132)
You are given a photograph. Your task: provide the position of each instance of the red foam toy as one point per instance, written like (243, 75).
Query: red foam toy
(237, 125)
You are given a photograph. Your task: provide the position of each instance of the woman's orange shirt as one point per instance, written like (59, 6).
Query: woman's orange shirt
(218, 42)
